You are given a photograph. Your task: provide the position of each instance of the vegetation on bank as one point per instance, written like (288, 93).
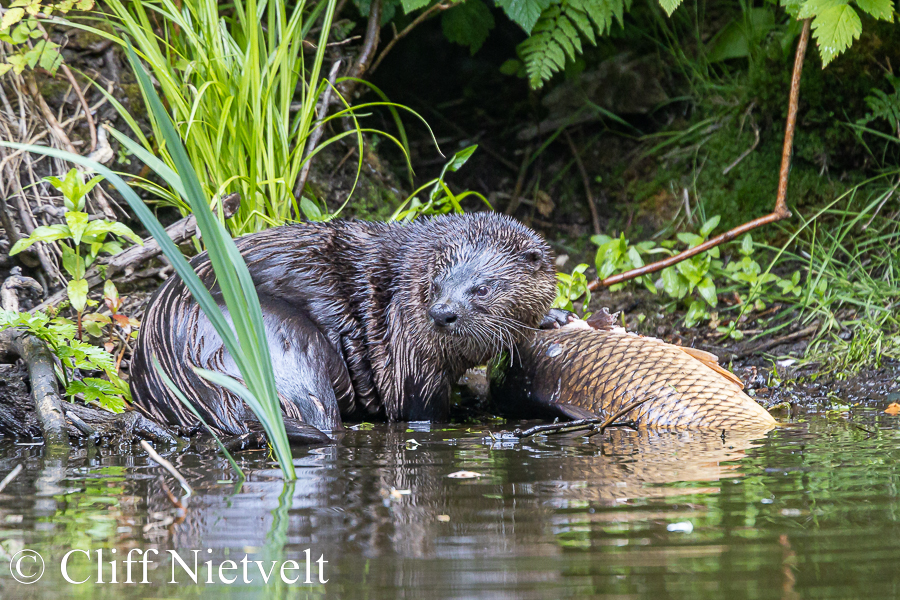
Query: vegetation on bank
(253, 98)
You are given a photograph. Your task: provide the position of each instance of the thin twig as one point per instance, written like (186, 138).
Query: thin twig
(745, 153)
(12, 475)
(780, 212)
(620, 413)
(434, 10)
(77, 89)
(585, 181)
(581, 424)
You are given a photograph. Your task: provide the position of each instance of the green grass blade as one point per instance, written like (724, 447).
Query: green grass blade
(174, 389)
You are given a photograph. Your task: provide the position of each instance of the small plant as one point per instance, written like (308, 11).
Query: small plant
(74, 356)
(19, 26)
(87, 238)
(244, 336)
(441, 199)
(571, 287)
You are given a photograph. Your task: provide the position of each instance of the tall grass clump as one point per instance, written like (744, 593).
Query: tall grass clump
(244, 337)
(242, 94)
(848, 254)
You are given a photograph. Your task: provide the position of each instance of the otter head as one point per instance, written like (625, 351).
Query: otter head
(492, 282)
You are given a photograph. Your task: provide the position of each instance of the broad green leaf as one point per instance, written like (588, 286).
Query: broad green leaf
(709, 226)
(670, 5)
(310, 209)
(411, 5)
(695, 312)
(691, 239)
(72, 262)
(468, 24)
(674, 283)
(78, 224)
(880, 9)
(4, 67)
(460, 158)
(693, 269)
(747, 245)
(77, 291)
(707, 290)
(11, 17)
(811, 8)
(44, 233)
(834, 29)
(524, 13)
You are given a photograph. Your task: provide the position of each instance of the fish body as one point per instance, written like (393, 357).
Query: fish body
(579, 373)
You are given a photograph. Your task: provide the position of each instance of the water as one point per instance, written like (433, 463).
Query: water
(809, 510)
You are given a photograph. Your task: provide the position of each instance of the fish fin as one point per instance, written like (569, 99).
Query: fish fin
(712, 361)
(573, 412)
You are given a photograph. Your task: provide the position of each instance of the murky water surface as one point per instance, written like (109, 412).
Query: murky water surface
(808, 510)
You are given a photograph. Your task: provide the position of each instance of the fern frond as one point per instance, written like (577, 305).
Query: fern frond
(559, 31)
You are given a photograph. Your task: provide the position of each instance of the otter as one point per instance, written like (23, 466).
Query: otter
(363, 319)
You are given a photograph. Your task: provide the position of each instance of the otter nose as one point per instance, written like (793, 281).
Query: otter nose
(443, 315)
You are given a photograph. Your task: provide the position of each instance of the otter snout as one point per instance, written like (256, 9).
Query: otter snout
(443, 315)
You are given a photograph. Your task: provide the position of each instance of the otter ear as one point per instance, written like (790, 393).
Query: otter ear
(534, 256)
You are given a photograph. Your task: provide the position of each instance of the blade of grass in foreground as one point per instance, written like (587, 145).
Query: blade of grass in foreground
(174, 389)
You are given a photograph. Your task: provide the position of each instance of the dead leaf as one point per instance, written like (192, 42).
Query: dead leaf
(893, 409)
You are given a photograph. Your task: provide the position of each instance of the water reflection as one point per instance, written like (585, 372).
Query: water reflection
(627, 514)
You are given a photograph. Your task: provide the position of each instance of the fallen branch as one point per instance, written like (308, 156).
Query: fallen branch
(188, 492)
(47, 403)
(780, 211)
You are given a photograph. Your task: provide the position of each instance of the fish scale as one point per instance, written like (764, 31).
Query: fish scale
(578, 373)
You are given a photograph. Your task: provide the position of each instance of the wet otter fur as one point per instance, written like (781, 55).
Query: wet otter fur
(362, 319)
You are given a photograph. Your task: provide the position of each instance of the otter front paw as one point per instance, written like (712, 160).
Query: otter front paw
(557, 317)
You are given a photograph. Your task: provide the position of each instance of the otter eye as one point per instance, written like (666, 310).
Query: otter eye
(482, 290)
(533, 256)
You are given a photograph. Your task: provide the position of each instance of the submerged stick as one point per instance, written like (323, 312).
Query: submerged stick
(12, 475)
(779, 212)
(188, 492)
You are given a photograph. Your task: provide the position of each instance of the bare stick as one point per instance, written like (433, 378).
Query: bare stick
(585, 181)
(188, 492)
(780, 212)
(318, 130)
(370, 45)
(12, 475)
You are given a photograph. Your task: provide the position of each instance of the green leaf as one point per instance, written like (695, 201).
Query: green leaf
(460, 158)
(77, 291)
(411, 5)
(72, 262)
(880, 9)
(108, 395)
(834, 30)
(468, 24)
(670, 5)
(524, 13)
(674, 283)
(11, 17)
(707, 290)
(101, 226)
(78, 223)
(747, 245)
(44, 233)
(709, 226)
(691, 239)
(695, 312)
